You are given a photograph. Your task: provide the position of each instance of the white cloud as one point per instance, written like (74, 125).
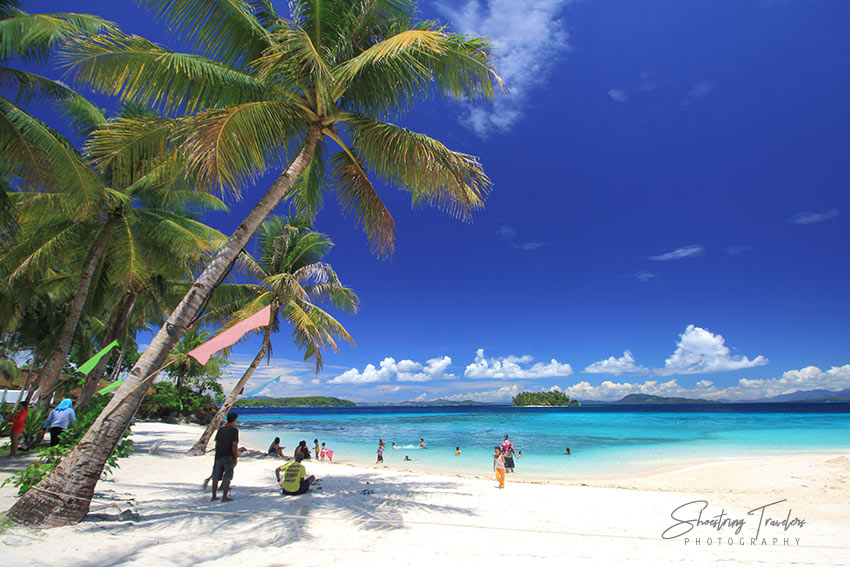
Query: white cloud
(812, 218)
(508, 234)
(679, 253)
(509, 368)
(700, 351)
(369, 375)
(618, 95)
(699, 90)
(616, 366)
(610, 391)
(528, 37)
(502, 394)
(808, 378)
(404, 371)
(735, 250)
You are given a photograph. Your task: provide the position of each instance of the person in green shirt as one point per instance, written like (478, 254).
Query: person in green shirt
(293, 482)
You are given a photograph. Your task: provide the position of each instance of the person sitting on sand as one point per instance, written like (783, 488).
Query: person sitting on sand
(276, 449)
(302, 450)
(293, 482)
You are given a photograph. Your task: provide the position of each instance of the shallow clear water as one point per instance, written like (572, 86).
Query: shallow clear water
(604, 440)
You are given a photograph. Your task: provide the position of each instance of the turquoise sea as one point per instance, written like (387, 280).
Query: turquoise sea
(604, 440)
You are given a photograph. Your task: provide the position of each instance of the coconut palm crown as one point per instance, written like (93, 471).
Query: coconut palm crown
(264, 86)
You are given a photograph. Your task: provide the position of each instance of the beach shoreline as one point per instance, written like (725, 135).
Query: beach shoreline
(153, 510)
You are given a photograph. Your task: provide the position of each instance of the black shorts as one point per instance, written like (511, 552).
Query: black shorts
(223, 468)
(509, 462)
(305, 486)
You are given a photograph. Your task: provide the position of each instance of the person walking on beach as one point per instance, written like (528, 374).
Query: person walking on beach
(60, 419)
(380, 451)
(226, 455)
(499, 465)
(19, 421)
(507, 449)
(316, 447)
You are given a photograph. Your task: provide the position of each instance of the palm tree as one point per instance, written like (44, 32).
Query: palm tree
(271, 92)
(292, 279)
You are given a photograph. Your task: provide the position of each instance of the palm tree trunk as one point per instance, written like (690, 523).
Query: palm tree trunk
(117, 321)
(64, 496)
(24, 386)
(50, 376)
(201, 446)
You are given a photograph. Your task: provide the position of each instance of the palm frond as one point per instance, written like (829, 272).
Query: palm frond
(415, 63)
(44, 157)
(356, 194)
(234, 146)
(222, 29)
(135, 69)
(129, 149)
(307, 193)
(432, 173)
(33, 36)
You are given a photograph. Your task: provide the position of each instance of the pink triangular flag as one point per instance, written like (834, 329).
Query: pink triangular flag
(223, 340)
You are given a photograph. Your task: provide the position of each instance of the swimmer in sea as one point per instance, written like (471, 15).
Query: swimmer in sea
(422, 442)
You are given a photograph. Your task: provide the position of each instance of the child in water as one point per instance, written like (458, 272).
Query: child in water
(457, 451)
(567, 452)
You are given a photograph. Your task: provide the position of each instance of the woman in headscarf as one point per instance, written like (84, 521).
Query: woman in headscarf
(59, 420)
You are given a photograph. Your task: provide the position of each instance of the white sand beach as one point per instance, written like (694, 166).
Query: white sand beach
(152, 511)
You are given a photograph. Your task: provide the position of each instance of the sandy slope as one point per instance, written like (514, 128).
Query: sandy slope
(387, 517)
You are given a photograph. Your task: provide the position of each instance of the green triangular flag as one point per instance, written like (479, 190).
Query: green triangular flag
(89, 365)
(111, 387)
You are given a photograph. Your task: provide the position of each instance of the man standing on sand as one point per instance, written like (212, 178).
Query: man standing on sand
(226, 455)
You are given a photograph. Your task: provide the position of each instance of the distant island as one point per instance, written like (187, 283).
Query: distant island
(650, 399)
(438, 402)
(306, 402)
(545, 399)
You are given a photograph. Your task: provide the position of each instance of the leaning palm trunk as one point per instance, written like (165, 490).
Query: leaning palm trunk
(64, 496)
(118, 320)
(50, 376)
(201, 446)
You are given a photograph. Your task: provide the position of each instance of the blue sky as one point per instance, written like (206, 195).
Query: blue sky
(669, 212)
